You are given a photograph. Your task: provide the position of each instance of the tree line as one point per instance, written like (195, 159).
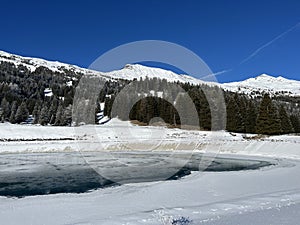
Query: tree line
(244, 114)
(23, 100)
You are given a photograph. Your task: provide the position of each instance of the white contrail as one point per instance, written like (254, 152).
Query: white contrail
(254, 53)
(216, 74)
(269, 43)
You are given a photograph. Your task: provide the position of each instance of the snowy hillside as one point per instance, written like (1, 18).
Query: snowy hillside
(253, 86)
(265, 83)
(136, 71)
(33, 63)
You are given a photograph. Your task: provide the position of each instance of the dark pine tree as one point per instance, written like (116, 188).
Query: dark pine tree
(44, 116)
(204, 113)
(234, 118)
(59, 115)
(36, 113)
(242, 107)
(22, 113)
(251, 115)
(97, 110)
(13, 111)
(202, 106)
(268, 120)
(5, 110)
(67, 116)
(53, 110)
(295, 120)
(286, 125)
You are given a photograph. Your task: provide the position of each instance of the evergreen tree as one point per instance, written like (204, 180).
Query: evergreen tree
(108, 106)
(242, 104)
(268, 120)
(13, 111)
(151, 108)
(164, 110)
(59, 115)
(44, 116)
(22, 113)
(202, 106)
(234, 118)
(251, 115)
(5, 110)
(52, 110)
(35, 113)
(67, 116)
(204, 113)
(184, 107)
(217, 108)
(97, 110)
(286, 125)
(296, 123)
(142, 110)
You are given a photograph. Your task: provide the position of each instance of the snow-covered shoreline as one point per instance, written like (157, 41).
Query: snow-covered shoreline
(117, 135)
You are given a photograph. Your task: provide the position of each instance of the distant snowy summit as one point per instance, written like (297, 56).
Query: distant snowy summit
(253, 86)
(265, 84)
(137, 71)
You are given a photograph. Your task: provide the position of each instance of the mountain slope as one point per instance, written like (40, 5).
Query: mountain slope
(265, 83)
(137, 71)
(253, 86)
(33, 63)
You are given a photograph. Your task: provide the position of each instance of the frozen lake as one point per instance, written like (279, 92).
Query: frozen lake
(50, 173)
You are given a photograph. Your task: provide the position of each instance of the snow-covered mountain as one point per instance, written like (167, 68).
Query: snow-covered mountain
(129, 72)
(137, 71)
(33, 63)
(253, 86)
(265, 84)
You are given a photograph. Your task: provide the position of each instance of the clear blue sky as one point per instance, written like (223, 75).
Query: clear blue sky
(222, 33)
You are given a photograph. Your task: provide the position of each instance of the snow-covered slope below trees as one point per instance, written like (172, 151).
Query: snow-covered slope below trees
(253, 86)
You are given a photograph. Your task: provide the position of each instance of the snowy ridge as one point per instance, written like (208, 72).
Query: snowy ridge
(33, 63)
(137, 71)
(265, 83)
(253, 86)
(129, 72)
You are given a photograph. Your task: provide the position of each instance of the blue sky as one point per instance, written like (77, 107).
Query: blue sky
(223, 33)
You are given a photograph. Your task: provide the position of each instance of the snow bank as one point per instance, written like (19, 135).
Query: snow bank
(120, 135)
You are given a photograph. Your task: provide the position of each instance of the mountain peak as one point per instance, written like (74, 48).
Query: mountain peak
(264, 75)
(138, 71)
(265, 83)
